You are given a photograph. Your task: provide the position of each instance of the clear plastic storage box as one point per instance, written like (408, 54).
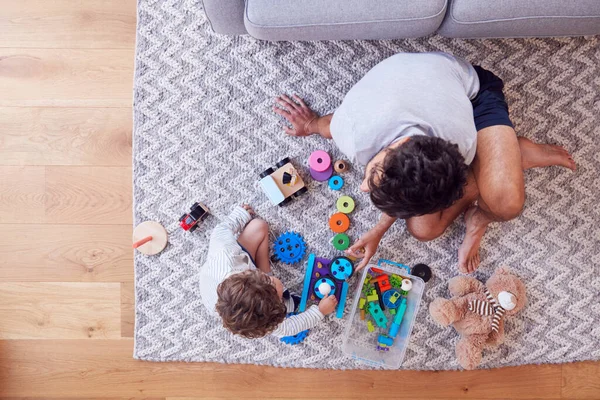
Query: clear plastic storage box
(361, 344)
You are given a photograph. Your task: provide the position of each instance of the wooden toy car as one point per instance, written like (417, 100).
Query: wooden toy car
(282, 184)
(198, 213)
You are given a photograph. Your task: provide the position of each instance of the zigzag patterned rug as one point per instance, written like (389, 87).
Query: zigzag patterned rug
(204, 130)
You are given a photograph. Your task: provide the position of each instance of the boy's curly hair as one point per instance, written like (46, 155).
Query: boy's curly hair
(249, 304)
(422, 176)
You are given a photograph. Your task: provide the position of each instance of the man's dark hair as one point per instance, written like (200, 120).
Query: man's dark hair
(422, 176)
(249, 304)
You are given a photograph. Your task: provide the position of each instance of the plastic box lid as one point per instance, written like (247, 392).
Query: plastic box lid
(361, 345)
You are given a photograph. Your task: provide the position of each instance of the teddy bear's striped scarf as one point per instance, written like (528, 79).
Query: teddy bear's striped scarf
(490, 307)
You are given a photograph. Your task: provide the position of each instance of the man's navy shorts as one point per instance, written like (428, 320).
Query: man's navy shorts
(489, 106)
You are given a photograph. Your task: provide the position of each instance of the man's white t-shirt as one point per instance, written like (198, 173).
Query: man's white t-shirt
(405, 95)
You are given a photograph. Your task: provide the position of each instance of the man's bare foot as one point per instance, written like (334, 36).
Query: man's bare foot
(535, 155)
(468, 253)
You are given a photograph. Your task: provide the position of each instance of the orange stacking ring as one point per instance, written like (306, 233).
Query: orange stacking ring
(339, 222)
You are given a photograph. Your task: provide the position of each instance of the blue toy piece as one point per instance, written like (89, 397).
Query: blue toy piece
(382, 261)
(378, 315)
(322, 269)
(297, 338)
(336, 182)
(341, 268)
(395, 328)
(342, 303)
(382, 339)
(324, 280)
(289, 248)
(391, 298)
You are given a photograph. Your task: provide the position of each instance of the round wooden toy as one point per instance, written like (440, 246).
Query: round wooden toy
(150, 238)
(345, 204)
(339, 222)
(340, 166)
(319, 161)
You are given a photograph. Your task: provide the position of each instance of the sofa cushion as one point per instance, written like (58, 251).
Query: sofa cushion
(514, 18)
(342, 19)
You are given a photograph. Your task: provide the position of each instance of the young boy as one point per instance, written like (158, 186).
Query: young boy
(236, 282)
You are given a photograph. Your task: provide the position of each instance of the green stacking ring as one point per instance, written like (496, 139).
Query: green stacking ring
(341, 241)
(345, 204)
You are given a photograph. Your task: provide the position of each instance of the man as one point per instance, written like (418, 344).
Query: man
(436, 140)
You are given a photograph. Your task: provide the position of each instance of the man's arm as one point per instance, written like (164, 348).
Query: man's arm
(367, 245)
(304, 121)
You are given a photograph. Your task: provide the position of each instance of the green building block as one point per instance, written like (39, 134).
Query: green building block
(378, 315)
(368, 279)
(372, 298)
(370, 326)
(361, 304)
(396, 281)
(392, 311)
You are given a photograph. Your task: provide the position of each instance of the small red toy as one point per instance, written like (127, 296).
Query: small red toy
(198, 213)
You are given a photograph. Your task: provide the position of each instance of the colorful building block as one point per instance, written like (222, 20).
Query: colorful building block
(378, 315)
(362, 303)
(372, 298)
(362, 314)
(385, 340)
(370, 326)
(395, 327)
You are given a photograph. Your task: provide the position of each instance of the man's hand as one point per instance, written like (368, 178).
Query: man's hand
(328, 304)
(366, 247)
(297, 114)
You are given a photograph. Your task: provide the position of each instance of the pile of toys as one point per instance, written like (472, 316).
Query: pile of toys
(381, 292)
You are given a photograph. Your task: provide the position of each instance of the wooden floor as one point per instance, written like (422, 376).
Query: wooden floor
(66, 270)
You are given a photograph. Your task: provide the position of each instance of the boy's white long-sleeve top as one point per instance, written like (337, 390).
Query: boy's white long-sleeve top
(226, 257)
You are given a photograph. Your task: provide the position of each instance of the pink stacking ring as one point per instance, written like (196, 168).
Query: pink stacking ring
(319, 161)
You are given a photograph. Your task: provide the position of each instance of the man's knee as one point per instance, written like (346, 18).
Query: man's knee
(508, 205)
(422, 232)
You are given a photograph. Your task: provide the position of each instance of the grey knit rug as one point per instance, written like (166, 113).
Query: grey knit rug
(204, 130)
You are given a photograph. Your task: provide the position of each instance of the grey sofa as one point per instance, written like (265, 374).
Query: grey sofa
(389, 19)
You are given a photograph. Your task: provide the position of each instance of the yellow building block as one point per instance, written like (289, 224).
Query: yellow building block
(370, 326)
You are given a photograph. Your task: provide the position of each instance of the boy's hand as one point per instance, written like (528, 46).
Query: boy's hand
(328, 305)
(249, 209)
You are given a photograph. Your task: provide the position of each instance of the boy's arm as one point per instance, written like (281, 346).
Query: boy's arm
(225, 232)
(304, 121)
(300, 322)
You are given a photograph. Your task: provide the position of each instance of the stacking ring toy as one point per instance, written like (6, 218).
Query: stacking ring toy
(340, 166)
(341, 268)
(341, 241)
(345, 204)
(336, 182)
(321, 176)
(319, 161)
(319, 283)
(339, 222)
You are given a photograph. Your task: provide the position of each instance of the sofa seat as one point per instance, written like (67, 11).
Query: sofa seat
(342, 19)
(520, 18)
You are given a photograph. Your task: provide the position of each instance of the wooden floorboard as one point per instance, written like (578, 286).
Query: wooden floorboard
(58, 310)
(67, 24)
(88, 195)
(66, 77)
(65, 136)
(34, 252)
(105, 368)
(22, 194)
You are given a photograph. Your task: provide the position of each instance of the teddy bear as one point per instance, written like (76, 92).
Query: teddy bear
(477, 312)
